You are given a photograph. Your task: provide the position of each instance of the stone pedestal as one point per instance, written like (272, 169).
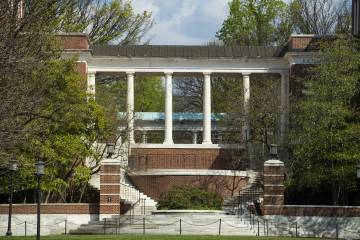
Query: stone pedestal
(274, 182)
(110, 175)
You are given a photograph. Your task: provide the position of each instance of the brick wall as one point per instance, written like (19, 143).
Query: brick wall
(153, 186)
(81, 68)
(66, 208)
(300, 43)
(142, 159)
(274, 197)
(274, 183)
(74, 41)
(110, 202)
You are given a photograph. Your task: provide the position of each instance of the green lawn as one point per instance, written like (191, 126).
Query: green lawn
(149, 237)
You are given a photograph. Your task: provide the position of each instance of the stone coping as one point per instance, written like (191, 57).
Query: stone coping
(188, 146)
(191, 172)
(273, 162)
(312, 206)
(188, 211)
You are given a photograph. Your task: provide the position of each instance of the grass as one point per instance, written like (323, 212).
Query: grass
(149, 237)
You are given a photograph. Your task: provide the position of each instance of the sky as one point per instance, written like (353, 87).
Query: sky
(183, 22)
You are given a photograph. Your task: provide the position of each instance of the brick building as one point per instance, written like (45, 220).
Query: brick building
(153, 168)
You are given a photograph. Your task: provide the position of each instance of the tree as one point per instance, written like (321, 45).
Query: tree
(256, 22)
(44, 112)
(320, 17)
(110, 21)
(326, 123)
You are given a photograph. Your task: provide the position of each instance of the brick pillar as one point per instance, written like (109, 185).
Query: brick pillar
(110, 175)
(274, 183)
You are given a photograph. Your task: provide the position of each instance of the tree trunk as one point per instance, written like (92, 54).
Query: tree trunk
(82, 193)
(47, 197)
(335, 195)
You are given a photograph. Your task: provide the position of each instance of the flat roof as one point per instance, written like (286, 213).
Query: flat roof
(180, 51)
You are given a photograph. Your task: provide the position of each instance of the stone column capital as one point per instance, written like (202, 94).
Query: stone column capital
(246, 74)
(207, 73)
(168, 73)
(130, 72)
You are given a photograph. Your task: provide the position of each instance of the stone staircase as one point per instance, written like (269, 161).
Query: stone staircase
(252, 192)
(141, 204)
(172, 223)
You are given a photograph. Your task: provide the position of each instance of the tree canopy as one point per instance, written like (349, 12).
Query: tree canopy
(112, 21)
(271, 22)
(46, 113)
(326, 129)
(255, 22)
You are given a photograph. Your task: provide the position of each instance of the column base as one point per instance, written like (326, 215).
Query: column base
(168, 142)
(207, 142)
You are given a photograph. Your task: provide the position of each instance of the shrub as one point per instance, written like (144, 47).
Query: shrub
(188, 197)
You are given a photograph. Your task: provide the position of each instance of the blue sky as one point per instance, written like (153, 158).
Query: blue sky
(183, 21)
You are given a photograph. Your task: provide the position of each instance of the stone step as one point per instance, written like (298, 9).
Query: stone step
(169, 224)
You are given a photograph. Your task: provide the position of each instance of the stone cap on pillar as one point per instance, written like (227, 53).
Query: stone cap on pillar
(110, 161)
(273, 162)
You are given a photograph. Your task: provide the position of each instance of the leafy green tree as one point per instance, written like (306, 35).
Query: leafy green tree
(45, 114)
(149, 93)
(326, 123)
(256, 22)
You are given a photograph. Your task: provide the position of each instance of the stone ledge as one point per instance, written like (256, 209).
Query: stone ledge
(188, 146)
(188, 211)
(191, 172)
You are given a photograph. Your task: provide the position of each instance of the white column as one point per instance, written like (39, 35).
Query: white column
(168, 109)
(130, 106)
(220, 137)
(285, 93)
(144, 137)
(91, 83)
(246, 87)
(207, 108)
(194, 137)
